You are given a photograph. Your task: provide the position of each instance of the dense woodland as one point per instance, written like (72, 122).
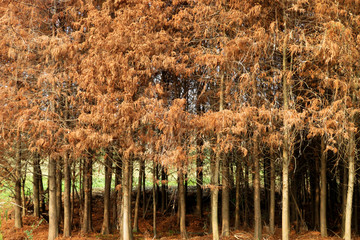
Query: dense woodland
(259, 93)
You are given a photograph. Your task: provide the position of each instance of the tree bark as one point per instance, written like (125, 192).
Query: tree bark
(53, 219)
(199, 183)
(144, 190)
(18, 217)
(257, 207)
(344, 196)
(286, 142)
(36, 186)
(182, 205)
(245, 194)
(163, 189)
(23, 197)
(237, 195)
(154, 200)
(41, 190)
(58, 179)
(317, 195)
(105, 229)
(126, 223)
(117, 198)
(67, 201)
(215, 165)
(272, 195)
(323, 198)
(350, 190)
(225, 199)
(137, 201)
(86, 221)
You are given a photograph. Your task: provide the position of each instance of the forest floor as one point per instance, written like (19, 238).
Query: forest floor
(167, 228)
(166, 225)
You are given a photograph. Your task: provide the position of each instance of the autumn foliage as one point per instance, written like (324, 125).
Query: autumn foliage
(259, 97)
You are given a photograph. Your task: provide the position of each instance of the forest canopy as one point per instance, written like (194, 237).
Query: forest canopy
(260, 93)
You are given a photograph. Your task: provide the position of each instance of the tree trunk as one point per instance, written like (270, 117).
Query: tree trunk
(317, 195)
(350, 191)
(36, 186)
(137, 202)
(272, 195)
(154, 200)
(257, 207)
(105, 229)
(344, 195)
(41, 191)
(182, 205)
(23, 197)
(18, 217)
(144, 190)
(225, 199)
(286, 143)
(245, 194)
(53, 219)
(237, 197)
(73, 190)
(323, 198)
(215, 165)
(163, 189)
(126, 223)
(215, 168)
(58, 179)
(285, 197)
(86, 221)
(67, 202)
(199, 183)
(117, 195)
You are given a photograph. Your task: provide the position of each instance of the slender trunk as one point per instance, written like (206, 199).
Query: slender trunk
(59, 191)
(144, 189)
(245, 194)
(126, 225)
(82, 166)
(350, 191)
(137, 202)
(225, 198)
(237, 197)
(73, 189)
(344, 195)
(86, 221)
(67, 202)
(163, 189)
(199, 183)
(323, 198)
(215, 174)
(117, 195)
(272, 195)
(36, 186)
(286, 144)
(18, 218)
(317, 195)
(257, 207)
(285, 197)
(154, 199)
(41, 191)
(105, 229)
(157, 185)
(182, 205)
(131, 168)
(23, 197)
(53, 219)
(215, 165)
